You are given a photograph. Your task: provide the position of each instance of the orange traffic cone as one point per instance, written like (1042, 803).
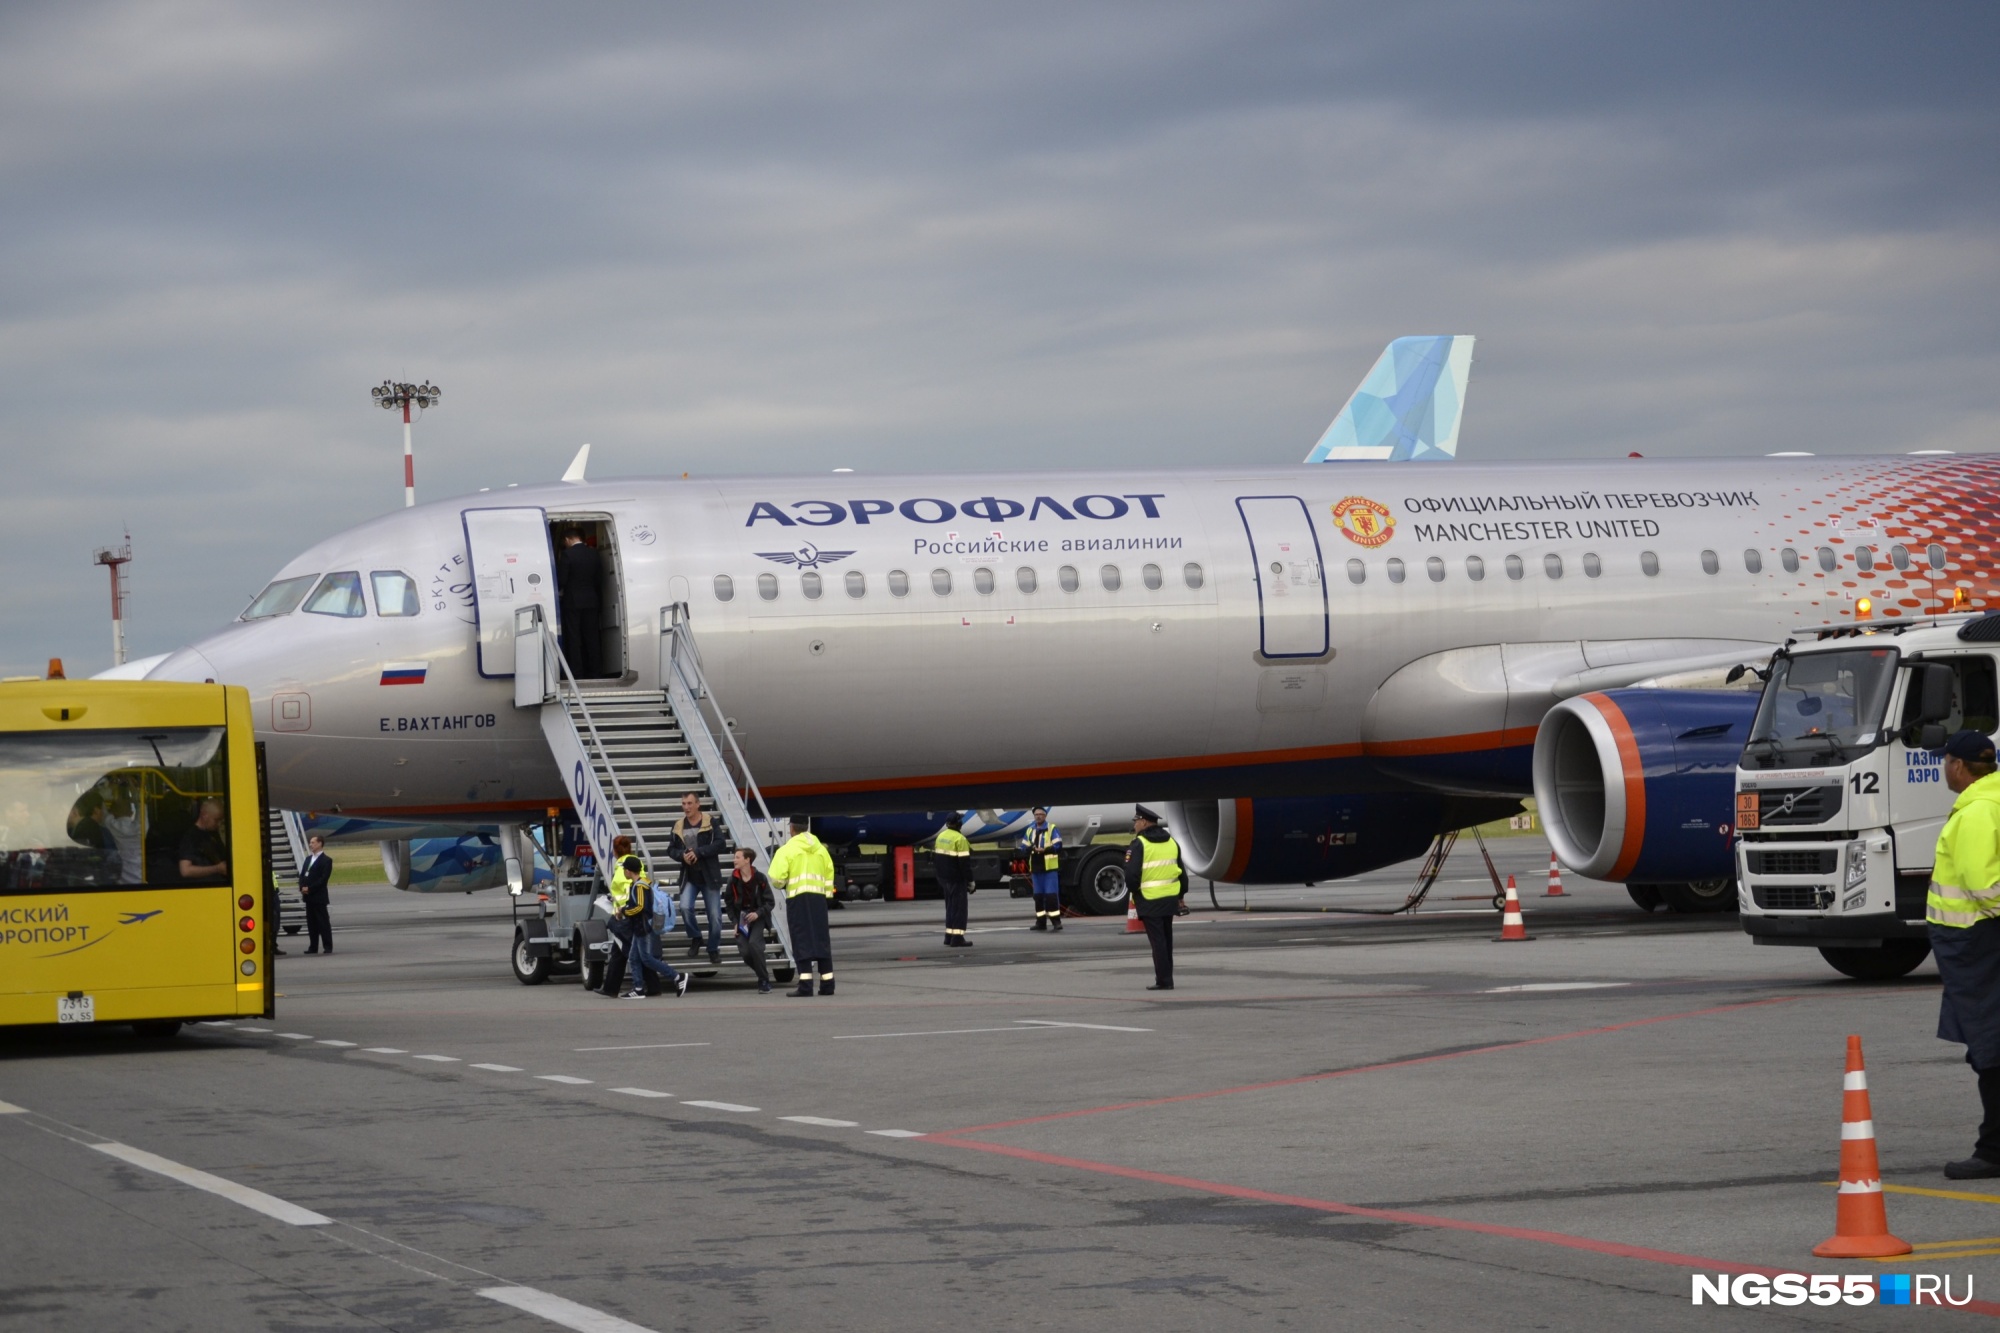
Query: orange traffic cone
(1132, 924)
(1860, 1219)
(1555, 879)
(1511, 925)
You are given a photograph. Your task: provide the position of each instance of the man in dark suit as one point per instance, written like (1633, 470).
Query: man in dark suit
(578, 573)
(314, 876)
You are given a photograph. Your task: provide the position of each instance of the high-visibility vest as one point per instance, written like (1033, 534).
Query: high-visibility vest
(1044, 846)
(1161, 875)
(630, 896)
(951, 843)
(803, 866)
(1965, 884)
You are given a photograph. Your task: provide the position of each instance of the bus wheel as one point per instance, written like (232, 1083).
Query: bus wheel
(1894, 960)
(1703, 895)
(1100, 883)
(530, 968)
(159, 1029)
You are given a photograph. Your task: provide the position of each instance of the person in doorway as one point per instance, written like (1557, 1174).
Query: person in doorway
(750, 903)
(1963, 910)
(579, 572)
(631, 923)
(203, 858)
(1155, 876)
(1043, 845)
(697, 844)
(314, 876)
(951, 863)
(803, 871)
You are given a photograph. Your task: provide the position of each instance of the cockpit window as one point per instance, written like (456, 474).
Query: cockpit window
(395, 592)
(281, 598)
(338, 595)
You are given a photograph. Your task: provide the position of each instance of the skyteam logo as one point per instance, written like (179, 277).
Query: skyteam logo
(1829, 1289)
(806, 557)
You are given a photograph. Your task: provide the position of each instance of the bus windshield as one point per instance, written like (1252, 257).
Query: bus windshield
(113, 809)
(1821, 708)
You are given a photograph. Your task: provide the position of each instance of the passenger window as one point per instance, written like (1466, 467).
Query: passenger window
(1649, 564)
(1827, 559)
(280, 598)
(1110, 578)
(1592, 566)
(982, 581)
(1975, 702)
(395, 592)
(338, 595)
(1151, 575)
(1395, 570)
(1552, 565)
(1434, 567)
(1067, 577)
(1864, 559)
(767, 587)
(725, 588)
(1753, 560)
(941, 582)
(899, 583)
(857, 583)
(1357, 572)
(1024, 579)
(809, 585)
(1710, 563)
(1475, 568)
(1933, 553)
(1789, 559)
(1515, 569)
(1192, 574)
(1899, 556)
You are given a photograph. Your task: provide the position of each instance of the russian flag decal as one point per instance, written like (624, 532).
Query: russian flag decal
(405, 673)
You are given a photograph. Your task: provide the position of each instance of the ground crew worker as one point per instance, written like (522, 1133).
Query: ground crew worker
(1154, 874)
(1043, 843)
(803, 871)
(1964, 914)
(951, 862)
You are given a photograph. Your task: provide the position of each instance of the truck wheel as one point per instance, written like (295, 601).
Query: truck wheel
(1100, 883)
(1646, 895)
(1704, 895)
(1895, 959)
(530, 968)
(593, 966)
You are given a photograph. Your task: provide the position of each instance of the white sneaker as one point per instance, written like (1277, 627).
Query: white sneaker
(635, 995)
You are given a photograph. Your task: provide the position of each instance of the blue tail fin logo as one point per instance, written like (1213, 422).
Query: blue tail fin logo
(1408, 408)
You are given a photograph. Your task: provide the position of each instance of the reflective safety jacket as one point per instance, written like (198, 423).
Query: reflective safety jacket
(1160, 877)
(801, 866)
(1042, 843)
(951, 859)
(630, 896)
(1965, 885)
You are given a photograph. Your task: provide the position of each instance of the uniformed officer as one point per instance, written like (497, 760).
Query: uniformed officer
(951, 862)
(803, 871)
(1155, 875)
(1043, 844)
(1963, 905)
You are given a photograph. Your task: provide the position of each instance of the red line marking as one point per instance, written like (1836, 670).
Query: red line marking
(1361, 1069)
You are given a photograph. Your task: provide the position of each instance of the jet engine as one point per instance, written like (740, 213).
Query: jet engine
(1638, 786)
(1308, 839)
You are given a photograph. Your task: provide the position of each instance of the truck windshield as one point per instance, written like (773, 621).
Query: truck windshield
(1821, 708)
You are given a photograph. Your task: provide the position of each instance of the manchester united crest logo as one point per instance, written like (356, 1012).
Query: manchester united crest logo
(1364, 521)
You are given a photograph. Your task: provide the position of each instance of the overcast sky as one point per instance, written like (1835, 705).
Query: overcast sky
(923, 236)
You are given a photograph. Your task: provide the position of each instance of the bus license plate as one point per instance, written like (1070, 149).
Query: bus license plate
(76, 1009)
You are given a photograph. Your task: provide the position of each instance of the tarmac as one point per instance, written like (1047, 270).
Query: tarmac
(1333, 1121)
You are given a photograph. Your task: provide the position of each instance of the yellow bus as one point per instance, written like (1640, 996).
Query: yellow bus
(134, 878)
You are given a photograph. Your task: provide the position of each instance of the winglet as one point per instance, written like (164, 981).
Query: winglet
(1409, 407)
(578, 464)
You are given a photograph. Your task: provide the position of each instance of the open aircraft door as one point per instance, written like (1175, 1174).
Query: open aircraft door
(1291, 584)
(512, 567)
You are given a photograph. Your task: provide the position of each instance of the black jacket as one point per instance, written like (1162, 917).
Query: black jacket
(1135, 864)
(314, 876)
(707, 843)
(749, 895)
(578, 572)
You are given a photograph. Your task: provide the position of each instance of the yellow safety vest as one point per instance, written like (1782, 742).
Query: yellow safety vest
(1965, 884)
(802, 866)
(1161, 875)
(1043, 846)
(951, 842)
(623, 888)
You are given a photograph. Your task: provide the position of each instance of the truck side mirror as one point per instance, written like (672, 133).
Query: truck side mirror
(1934, 686)
(1931, 736)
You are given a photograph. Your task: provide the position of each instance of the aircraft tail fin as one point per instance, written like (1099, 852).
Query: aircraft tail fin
(577, 465)
(1408, 408)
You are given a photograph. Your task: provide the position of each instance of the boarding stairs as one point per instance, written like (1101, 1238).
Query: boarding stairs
(285, 852)
(627, 756)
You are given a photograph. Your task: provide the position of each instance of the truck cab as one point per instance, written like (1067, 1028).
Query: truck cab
(1839, 797)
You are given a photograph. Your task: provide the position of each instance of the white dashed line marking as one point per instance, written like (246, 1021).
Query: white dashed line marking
(941, 1032)
(562, 1078)
(8, 1108)
(1094, 1027)
(441, 1059)
(895, 1133)
(656, 1046)
(557, 1310)
(385, 1050)
(1556, 985)
(324, 1042)
(819, 1120)
(256, 1200)
(498, 1069)
(643, 1092)
(296, 1036)
(721, 1106)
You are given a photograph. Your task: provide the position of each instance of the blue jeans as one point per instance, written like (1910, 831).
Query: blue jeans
(642, 956)
(711, 896)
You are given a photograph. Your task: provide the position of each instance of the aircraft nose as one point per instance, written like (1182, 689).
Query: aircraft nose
(186, 664)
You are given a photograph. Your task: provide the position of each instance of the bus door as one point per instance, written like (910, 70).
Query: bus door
(511, 568)
(1291, 585)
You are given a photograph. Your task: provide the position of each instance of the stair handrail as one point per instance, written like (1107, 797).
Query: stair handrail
(622, 805)
(685, 666)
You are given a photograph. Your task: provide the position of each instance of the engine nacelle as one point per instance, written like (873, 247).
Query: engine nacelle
(1638, 786)
(451, 865)
(1298, 839)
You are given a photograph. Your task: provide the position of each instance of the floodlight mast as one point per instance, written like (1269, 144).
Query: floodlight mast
(115, 560)
(392, 394)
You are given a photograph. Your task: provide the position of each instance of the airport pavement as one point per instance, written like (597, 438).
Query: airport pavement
(1333, 1121)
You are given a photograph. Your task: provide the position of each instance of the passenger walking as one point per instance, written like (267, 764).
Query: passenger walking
(803, 871)
(751, 904)
(951, 862)
(632, 911)
(697, 844)
(1963, 910)
(579, 573)
(1154, 874)
(1043, 843)
(314, 876)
